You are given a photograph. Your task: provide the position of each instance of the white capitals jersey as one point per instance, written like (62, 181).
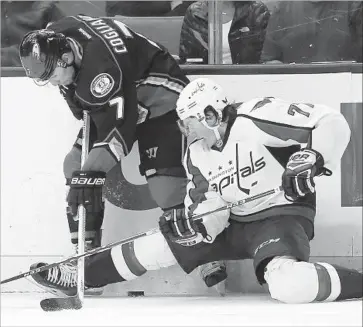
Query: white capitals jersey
(257, 144)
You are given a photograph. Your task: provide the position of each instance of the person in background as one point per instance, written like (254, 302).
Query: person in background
(146, 8)
(314, 31)
(178, 8)
(20, 17)
(356, 29)
(243, 29)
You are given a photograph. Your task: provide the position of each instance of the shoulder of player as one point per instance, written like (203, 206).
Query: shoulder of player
(195, 148)
(99, 78)
(254, 107)
(194, 155)
(63, 24)
(98, 89)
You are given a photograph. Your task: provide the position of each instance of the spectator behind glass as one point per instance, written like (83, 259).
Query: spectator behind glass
(20, 17)
(146, 8)
(356, 29)
(313, 31)
(243, 26)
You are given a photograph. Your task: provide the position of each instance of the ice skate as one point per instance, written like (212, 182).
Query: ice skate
(60, 280)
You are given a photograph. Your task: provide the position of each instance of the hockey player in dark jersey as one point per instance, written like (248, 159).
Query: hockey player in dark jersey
(129, 85)
(240, 151)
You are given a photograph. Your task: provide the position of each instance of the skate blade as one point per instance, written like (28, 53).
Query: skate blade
(48, 289)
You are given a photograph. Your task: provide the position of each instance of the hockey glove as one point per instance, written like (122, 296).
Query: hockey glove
(298, 177)
(177, 227)
(86, 189)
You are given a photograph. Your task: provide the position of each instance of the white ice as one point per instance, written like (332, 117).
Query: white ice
(242, 310)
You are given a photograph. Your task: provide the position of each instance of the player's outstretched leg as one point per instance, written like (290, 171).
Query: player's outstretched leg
(293, 281)
(121, 263)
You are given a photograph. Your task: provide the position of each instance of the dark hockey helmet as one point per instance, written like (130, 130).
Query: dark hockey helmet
(41, 52)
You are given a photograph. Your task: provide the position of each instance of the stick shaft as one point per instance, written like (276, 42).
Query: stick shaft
(82, 211)
(133, 238)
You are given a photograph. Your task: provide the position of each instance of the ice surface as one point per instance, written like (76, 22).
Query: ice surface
(232, 310)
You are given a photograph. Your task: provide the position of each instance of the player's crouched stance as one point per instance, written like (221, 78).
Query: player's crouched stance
(241, 150)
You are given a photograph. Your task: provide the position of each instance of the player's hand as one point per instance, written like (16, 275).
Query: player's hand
(178, 228)
(298, 177)
(86, 189)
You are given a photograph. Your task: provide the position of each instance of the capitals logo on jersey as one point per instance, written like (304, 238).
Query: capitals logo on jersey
(235, 174)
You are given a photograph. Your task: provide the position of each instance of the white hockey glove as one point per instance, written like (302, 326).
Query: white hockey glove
(298, 177)
(177, 227)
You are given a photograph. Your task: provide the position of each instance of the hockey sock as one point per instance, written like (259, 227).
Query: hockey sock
(350, 282)
(113, 266)
(338, 283)
(100, 270)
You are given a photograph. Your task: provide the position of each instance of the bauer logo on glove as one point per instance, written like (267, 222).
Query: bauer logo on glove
(88, 180)
(86, 189)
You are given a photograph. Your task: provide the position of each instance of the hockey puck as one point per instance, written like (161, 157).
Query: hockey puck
(135, 293)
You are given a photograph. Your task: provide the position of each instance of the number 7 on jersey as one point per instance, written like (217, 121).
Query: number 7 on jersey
(119, 103)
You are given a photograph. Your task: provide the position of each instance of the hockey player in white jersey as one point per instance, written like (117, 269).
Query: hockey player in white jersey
(241, 150)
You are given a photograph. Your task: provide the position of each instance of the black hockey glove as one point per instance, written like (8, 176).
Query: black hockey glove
(178, 228)
(86, 189)
(298, 177)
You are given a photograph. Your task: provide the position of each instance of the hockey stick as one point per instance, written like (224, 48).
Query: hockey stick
(132, 238)
(73, 302)
(76, 301)
(79, 297)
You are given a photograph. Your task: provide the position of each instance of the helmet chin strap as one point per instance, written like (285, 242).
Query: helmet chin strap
(219, 142)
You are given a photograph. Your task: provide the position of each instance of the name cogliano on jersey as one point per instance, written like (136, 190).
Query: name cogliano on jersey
(108, 32)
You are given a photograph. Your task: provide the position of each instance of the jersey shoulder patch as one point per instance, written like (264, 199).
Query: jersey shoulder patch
(102, 85)
(99, 78)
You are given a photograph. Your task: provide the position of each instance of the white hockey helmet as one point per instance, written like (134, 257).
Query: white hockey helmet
(197, 96)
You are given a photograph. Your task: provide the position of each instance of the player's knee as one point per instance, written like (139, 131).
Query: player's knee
(153, 252)
(291, 281)
(134, 259)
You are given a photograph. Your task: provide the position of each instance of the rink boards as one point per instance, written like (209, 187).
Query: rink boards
(37, 130)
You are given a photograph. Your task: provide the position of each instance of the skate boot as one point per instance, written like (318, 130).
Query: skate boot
(213, 273)
(60, 280)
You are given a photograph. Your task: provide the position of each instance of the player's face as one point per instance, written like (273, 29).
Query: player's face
(211, 119)
(62, 76)
(195, 129)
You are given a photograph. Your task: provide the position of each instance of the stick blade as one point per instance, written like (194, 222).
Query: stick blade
(59, 304)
